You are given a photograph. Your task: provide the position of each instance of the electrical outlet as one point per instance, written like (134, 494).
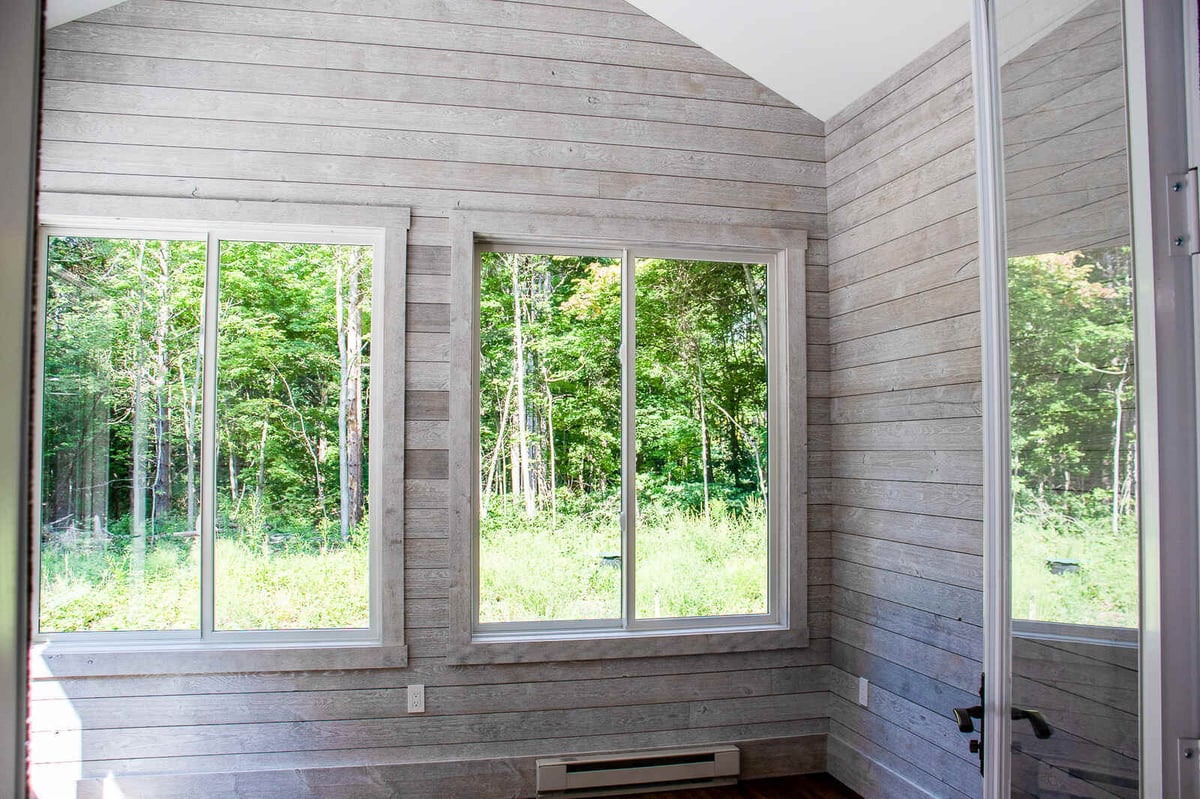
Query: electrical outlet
(863, 687)
(416, 698)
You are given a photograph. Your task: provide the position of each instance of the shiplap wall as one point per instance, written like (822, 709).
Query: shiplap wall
(558, 106)
(905, 443)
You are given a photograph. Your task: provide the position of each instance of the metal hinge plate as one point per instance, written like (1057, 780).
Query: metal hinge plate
(1183, 212)
(1189, 767)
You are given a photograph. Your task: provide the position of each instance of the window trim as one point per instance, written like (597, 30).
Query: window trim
(785, 625)
(206, 650)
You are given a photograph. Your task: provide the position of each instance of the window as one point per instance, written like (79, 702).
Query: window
(208, 463)
(627, 414)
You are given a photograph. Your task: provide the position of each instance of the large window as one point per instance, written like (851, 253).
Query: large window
(206, 457)
(628, 438)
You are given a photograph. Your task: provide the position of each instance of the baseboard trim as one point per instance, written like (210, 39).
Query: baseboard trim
(868, 777)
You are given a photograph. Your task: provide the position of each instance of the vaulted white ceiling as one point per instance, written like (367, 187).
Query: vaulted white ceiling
(820, 54)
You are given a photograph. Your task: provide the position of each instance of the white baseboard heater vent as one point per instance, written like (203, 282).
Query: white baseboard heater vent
(637, 772)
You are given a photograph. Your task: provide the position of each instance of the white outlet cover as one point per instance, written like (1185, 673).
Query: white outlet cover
(863, 687)
(416, 698)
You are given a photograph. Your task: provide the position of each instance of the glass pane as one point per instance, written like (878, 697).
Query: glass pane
(293, 361)
(120, 435)
(550, 438)
(701, 439)
(1074, 437)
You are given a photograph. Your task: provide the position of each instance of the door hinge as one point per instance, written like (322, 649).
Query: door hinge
(1183, 212)
(1189, 766)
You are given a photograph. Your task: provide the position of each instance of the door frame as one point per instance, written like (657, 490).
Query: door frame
(20, 45)
(1157, 33)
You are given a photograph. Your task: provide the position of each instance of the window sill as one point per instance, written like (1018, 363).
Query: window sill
(1075, 633)
(54, 659)
(482, 648)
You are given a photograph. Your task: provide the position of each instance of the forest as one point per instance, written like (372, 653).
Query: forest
(550, 449)
(123, 410)
(1074, 437)
(122, 415)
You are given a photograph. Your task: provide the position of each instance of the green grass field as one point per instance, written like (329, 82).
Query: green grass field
(535, 570)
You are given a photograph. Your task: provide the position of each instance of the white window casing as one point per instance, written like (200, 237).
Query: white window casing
(785, 625)
(208, 650)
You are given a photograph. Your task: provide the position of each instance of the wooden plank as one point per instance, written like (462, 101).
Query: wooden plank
(83, 36)
(934, 499)
(326, 82)
(951, 332)
(958, 401)
(448, 772)
(926, 562)
(558, 18)
(306, 25)
(381, 703)
(948, 533)
(424, 202)
(960, 366)
(385, 115)
(424, 730)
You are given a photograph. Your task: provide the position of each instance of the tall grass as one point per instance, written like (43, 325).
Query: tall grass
(569, 568)
(255, 589)
(1104, 590)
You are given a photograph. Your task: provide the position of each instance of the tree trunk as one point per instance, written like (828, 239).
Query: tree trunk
(98, 511)
(703, 431)
(187, 409)
(550, 438)
(1116, 458)
(522, 410)
(486, 490)
(756, 303)
(137, 482)
(343, 396)
(355, 446)
(162, 419)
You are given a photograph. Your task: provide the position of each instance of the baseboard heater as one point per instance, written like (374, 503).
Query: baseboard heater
(637, 772)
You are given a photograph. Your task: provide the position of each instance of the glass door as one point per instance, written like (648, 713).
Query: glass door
(1072, 418)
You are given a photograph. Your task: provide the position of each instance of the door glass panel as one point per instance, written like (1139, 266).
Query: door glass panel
(1074, 432)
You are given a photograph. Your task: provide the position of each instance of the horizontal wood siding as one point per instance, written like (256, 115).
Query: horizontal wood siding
(570, 106)
(1089, 695)
(906, 440)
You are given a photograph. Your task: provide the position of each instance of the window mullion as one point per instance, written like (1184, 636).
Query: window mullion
(208, 435)
(628, 443)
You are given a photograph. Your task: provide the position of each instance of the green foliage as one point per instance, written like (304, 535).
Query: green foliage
(1073, 436)
(121, 424)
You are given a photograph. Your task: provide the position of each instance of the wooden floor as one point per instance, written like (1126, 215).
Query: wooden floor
(812, 786)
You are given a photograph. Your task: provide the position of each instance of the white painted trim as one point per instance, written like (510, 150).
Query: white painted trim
(993, 289)
(1124, 637)
(20, 45)
(216, 221)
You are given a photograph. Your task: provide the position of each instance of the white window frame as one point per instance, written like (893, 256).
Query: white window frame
(785, 623)
(207, 649)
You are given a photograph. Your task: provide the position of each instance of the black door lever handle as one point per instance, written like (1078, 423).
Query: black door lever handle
(964, 715)
(1041, 729)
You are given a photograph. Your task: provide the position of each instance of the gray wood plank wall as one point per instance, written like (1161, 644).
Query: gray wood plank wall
(574, 106)
(906, 446)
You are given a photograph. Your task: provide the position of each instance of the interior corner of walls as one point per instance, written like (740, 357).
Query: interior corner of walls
(872, 779)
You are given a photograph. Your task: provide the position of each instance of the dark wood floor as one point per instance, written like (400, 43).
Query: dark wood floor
(813, 786)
